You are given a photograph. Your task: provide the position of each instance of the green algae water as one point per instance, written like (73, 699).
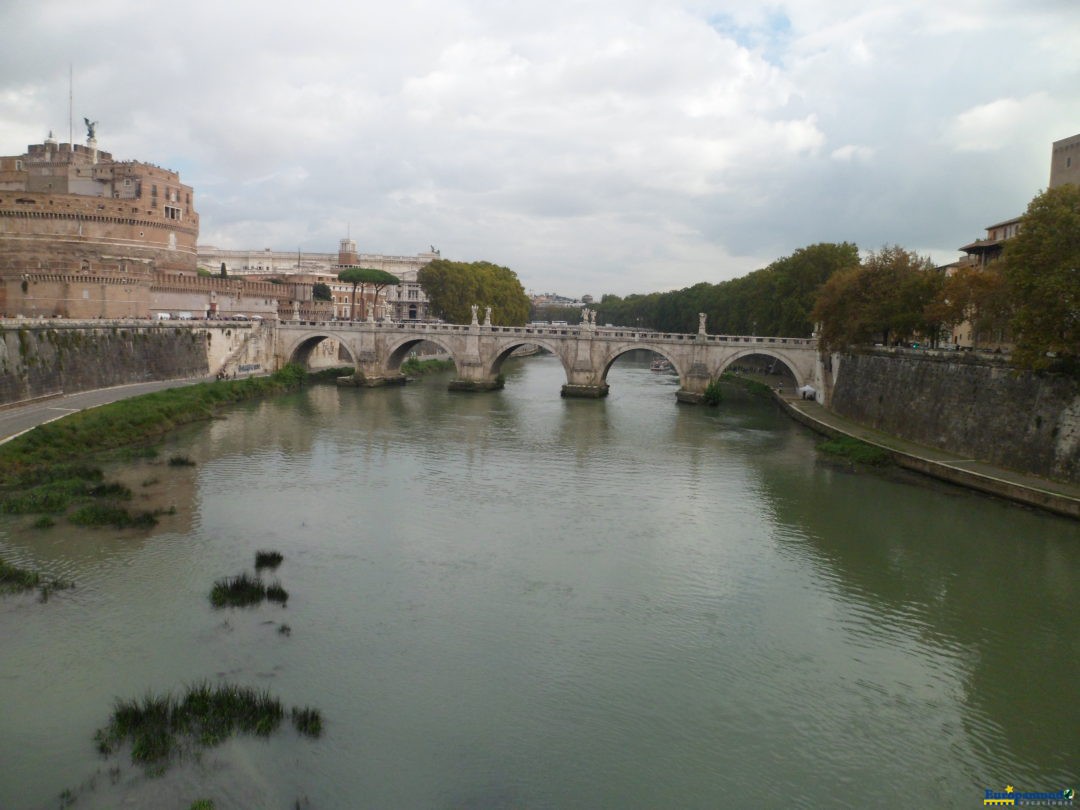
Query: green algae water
(510, 600)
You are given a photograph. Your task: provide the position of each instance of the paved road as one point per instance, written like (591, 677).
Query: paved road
(16, 420)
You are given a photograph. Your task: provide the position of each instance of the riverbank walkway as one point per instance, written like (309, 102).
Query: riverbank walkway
(18, 417)
(1055, 496)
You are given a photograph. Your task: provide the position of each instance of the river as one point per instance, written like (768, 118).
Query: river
(511, 600)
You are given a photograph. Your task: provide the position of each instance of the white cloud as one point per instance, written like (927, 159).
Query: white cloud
(613, 146)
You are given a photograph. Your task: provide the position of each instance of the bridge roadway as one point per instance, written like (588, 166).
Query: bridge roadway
(378, 348)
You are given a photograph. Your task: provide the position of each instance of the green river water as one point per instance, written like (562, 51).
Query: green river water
(511, 600)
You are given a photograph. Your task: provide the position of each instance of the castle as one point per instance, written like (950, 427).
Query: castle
(85, 236)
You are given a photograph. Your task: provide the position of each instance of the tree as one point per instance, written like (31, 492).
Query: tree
(321, 292)
(978, 295)
(223, 273)
(884, 299)
(1042, 268)
(362, 277)
(452, 288)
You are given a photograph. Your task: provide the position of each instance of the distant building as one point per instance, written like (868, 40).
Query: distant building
(1065, 162)
(407, 300)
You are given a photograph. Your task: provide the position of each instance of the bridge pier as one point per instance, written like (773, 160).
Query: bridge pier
(585, 391)
(370, 373)
(693, 384)
(473, 377)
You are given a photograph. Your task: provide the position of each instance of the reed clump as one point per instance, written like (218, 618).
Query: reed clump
(307, 721)
(239, 591)
(159, 726)
(268, 559)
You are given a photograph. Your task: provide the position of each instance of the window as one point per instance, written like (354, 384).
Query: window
(153, 191)
(172, 212)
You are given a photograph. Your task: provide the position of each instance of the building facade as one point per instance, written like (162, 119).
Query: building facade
(406, 301)
(1065, 162)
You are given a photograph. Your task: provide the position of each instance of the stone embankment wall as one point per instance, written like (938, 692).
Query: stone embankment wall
(47, 358)
(963, 404)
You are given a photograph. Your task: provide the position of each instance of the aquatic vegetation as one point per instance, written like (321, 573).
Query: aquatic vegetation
(44, 522)
(268, 559)
(26, 459)
(284, 630)
(239, 591)
(158, 726)
(96, 514)
(13, 578)
(202, 804)
(307, 721)
(181, 461)
(275, 593)
(854, 450)
(713, 393)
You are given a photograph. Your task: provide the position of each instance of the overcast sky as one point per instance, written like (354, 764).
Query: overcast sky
(592, 146)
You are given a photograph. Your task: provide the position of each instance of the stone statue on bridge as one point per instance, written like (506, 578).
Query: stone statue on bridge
(475, 309)
(701, 323)
(487, 316)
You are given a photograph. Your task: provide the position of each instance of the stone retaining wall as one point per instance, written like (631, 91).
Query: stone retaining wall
(42, 359)
(978, 408)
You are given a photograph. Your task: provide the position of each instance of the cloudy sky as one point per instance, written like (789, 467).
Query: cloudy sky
(591, 145)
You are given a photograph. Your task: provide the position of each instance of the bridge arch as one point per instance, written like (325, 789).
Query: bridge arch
(303, 347)
(397, 351)
(659, 349)
(789, 363)
(505, 350)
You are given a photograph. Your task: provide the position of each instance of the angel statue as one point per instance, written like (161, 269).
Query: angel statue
(91, 129)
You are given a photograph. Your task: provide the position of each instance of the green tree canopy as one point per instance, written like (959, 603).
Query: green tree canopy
(453, 287)
(776, 300)
(321, 292)
(1042, 268)
(362, 277)
(884, 299)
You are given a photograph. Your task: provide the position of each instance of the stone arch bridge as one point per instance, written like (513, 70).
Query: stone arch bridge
(378, 348)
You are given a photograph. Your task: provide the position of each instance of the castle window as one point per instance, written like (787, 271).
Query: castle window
(171, 212)
(153, 191)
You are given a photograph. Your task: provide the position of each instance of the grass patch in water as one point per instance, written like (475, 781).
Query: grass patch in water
(268, 559)
(202, 804)
(275, 593)
(14, 579)
(181, 461)
(307, 721)
(129, 422)
(851, 449)
(159, 726)
(98, 514)
(239, 591)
